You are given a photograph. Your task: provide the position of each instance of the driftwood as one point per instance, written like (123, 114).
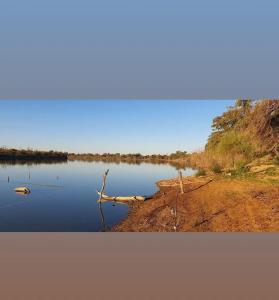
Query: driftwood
(119, 198)
(23, 189)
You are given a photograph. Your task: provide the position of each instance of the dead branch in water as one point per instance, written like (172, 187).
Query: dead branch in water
(104, 183)
(100, 202)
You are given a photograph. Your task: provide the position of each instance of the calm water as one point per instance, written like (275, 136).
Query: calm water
(70, 202)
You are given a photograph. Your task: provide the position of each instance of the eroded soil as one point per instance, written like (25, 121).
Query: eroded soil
(216, 204)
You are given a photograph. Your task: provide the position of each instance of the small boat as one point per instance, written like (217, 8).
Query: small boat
(23, 190)
(121, 198)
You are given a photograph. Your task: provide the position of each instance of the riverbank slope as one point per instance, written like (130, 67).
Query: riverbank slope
(216, 203)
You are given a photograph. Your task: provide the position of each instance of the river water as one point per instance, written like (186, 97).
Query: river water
(63, 195)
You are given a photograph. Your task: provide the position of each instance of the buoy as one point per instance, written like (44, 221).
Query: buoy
(24, 190)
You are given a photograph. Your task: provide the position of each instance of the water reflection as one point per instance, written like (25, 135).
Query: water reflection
(22, 193)
(30, 162)
(178, 165)
(70, 204)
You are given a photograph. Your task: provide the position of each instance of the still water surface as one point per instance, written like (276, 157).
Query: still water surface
(63, 195)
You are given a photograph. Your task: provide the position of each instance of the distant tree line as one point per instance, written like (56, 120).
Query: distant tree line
(30, 154)
(133, 157)
(22, 156)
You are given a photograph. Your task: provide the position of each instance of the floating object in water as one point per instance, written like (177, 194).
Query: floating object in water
(121, 198)
(23, 190)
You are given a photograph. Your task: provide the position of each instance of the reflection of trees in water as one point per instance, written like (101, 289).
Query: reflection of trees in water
(178, 165)
(29, 162)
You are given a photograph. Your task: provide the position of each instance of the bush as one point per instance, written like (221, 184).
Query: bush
(233, 143)
(276, 160)
(216, 169)
(241, 168)
(201, 172)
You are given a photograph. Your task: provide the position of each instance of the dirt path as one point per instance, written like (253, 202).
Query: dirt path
(220, 205)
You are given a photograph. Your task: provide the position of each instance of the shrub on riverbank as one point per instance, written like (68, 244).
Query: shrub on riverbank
(216, 168)
(245, 132)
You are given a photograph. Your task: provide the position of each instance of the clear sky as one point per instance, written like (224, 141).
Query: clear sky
(174, 49)
(98, 126)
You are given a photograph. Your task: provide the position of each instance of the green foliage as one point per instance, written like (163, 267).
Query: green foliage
(200, 172)
(227, 121)
(213, 141)
(233, 116)
(230, 140)
(234, 143)
(246, 131)
(216, 168)
(178, 155)
(241, 168)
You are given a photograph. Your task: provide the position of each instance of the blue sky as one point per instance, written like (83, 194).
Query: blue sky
(146, 126)
(173, 49)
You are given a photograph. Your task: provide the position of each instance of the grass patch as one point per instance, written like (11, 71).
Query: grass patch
(241, 169)
(246, 176)
(271, 172)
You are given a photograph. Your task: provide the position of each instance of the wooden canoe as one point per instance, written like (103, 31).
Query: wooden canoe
(23, 189)
(121, 198)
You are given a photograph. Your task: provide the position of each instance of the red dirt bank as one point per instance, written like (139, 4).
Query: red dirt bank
(220, 205)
